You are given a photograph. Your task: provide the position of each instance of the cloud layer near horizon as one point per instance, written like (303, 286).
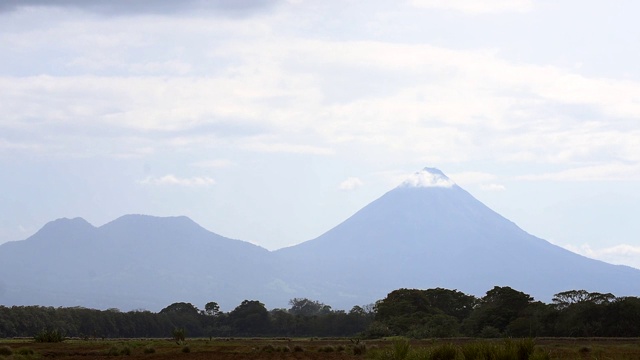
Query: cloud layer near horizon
(452, 103)
(138, 7)
(291, 96)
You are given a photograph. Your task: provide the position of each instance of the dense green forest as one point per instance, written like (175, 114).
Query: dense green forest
(439, 312)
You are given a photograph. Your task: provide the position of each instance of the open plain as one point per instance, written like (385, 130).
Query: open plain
(304, 348)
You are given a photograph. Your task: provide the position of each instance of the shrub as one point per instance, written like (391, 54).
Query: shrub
(268, 348)
(376, 330)
(540, 355)
(444, 352)
(24, 351)
(125, 351)
(477, 350)
(327, 348)
(179, 335)
(113, 351)
(340, 348)
(5, 351)
(524, 348)
(401, 349)
(471, 351)
(116, 351)
(490, 332)
(359, 349)
(49, 336)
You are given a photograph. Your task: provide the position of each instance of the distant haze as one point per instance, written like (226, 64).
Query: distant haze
(273, 120)
(427, 232)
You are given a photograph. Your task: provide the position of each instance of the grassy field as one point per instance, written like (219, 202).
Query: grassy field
(264, 348)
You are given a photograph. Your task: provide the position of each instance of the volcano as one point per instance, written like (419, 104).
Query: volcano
(428, 232)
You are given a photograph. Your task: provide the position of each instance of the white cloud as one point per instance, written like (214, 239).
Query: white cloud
(391, 85)
(214, 164)
(485, 181)
(350, 183)
(167, 67)
(281, 147)
(198, 181)
(605, 172)
(623, 254)
(427, 178)
(472, 177)
(476, 6)
(493, 187)
(406, 100)
(449, 105)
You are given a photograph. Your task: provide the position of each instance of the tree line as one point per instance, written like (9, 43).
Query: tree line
(251, 318)
(438, 312)
(505, 312)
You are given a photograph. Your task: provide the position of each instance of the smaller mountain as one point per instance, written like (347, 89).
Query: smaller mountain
(428, 232)
(135, 261)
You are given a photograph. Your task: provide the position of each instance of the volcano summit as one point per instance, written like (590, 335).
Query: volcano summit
(428, 232)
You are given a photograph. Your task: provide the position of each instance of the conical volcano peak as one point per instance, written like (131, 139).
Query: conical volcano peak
(428, 177)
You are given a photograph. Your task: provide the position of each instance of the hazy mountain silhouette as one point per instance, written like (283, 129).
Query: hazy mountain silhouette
(427, 232)
(135, 261)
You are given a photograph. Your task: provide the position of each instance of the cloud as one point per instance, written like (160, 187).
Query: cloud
(443, 118)
(622, 254)
(485, 181)
(472, 177)
(283, 147)
(215, 164)
(127, 7)
(475, 6)
(427, 178)
(284, 93)
(603, 172)
(198, 181)
(493, 187)
(350, 184)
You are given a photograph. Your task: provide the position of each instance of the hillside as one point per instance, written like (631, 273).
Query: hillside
(132, 262)
(428, 232)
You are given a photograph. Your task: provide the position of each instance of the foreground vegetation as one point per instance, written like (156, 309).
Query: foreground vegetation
(416, 314)
(394, 348)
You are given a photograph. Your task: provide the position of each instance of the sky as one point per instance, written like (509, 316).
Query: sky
(271, 121)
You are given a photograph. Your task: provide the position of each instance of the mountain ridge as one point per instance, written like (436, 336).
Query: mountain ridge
(427, 232)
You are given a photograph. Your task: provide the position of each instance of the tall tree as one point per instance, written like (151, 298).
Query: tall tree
(306, 307)
(451, 302)
(180, 308)
(497, 309)
(250, 318)
(212, 308)
(404, 309)
(565, 299)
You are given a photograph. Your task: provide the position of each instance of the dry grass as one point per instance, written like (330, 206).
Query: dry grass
(237, 348)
